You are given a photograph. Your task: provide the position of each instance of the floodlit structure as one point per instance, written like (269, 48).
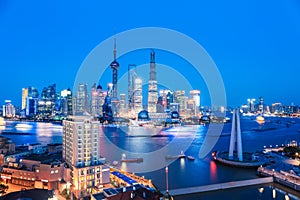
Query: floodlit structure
(236, 137)
(152, 85)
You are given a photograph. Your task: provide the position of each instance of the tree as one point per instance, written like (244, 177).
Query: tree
(3, 188)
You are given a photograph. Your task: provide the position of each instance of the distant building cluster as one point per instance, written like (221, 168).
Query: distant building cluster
(254, 106)
(105, 103)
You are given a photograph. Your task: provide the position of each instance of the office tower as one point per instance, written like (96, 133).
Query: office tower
(30, 98)
(97, 100)
(261, 105)
(160, 106)
(107, 113)
(123, 111)
(24, 97)
(152, 85)
(169, 99)
(31, 107)
(191, 107)
(33, 92)
(66, 102)
(132, 75)
(115, 67)
(46, 105)
(81, 100)
(9, 110)
(251, 104)
(195, 95)
(179, 97)
(81, 152)
(138, 96)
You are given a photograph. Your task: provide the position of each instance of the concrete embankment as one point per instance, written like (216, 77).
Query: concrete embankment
(220, 186)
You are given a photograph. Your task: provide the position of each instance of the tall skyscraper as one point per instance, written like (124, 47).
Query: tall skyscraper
(123, 111)
(24, 97)
(261, 105)
(97, 100)
(115, 67)
(66, 102)
(131, 73)
(195, 96)
(82, 100)
(81, 151)
(152, 85)
(138, 96)
(46, 105)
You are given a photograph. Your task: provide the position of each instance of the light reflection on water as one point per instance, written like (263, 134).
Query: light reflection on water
(182, 173)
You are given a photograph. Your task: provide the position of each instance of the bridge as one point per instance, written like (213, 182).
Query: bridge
(220, 186)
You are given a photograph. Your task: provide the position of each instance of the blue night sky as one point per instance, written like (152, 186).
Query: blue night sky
(255, 44)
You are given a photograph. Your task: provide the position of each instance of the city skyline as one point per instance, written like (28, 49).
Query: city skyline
(46, 43)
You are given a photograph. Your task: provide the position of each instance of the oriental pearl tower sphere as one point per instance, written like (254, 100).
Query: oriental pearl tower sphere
(115, 67)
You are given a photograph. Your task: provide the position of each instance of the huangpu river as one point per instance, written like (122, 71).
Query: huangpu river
(117, 142)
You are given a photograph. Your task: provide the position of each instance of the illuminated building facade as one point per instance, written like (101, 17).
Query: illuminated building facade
(46, 105)
(9, 110)
(123, 110)
(152, 85)
(97, 100)
(195, 96)
(66, 102)
(81, 106)
(138, 96)
(115, 67)
(81, 151)
(24, 97)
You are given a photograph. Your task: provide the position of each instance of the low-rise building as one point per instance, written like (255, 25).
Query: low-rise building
(6, 145)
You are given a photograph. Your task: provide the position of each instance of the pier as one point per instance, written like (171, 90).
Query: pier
(220, 186)
(281, 177)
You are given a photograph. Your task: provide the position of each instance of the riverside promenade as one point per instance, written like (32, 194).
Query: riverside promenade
(220, 186)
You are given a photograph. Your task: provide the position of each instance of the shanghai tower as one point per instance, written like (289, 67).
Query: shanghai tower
(152, 85)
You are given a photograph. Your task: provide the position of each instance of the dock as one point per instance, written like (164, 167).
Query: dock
(281, 177)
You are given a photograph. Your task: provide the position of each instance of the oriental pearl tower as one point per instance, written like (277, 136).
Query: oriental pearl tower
(115, 67)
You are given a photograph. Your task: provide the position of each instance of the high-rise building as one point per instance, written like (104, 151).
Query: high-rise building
(195, 95)
(115, 67)
(169, 99)
(261, 105)
(9, 109)
(46, 105)
(152, 85)
(97, 100)
(138, 96)
(160, 105)
(27, 95)
(33, 92)
(179, 97)
(81, 100)
(31, 107)
(81, 151)
(132, 75)
(24, 97)
(123, 111)
(66, 102)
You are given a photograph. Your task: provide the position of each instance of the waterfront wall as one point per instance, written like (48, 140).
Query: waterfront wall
(220, 186)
